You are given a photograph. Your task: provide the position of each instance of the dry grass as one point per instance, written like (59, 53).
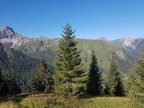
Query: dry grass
(55, 101)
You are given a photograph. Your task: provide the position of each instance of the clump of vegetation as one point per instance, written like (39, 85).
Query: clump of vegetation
(41, 80)
(114, 81)
(3, 85)
(136, 84)
(12, 80)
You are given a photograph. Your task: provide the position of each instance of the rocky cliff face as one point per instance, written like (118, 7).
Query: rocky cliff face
(9, 38)
(7, 32)
(134, 46)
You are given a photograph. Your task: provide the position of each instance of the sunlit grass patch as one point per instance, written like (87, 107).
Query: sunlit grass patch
(55, 101)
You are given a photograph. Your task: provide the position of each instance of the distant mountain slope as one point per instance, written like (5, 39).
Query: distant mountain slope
(105, 53)
(23, 63)
(46, 48)
(40, 48)
(133, 46)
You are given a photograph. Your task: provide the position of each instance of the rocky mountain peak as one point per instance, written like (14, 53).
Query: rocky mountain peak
(103, 39)
(128, 41)
(9, 38)
(7, 32)
(7, 28)
(43, 38)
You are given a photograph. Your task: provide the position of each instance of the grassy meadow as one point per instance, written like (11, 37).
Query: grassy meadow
(55, 101)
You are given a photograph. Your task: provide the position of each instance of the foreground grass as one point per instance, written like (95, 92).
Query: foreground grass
(107, 102)
(54, 101)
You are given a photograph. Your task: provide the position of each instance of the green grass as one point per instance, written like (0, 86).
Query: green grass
(107, 102)
(55, 101)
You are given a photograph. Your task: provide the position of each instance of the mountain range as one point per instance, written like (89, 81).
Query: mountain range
(26, 52)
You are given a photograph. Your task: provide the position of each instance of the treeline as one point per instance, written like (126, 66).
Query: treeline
(70, 79)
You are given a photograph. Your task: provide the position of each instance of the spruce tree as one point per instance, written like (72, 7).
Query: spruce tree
(70, 79)
(137, 77)
(94, 86)
(41, 80)
(12, 81)
(114, 81)
(3, 85)
(136, 83)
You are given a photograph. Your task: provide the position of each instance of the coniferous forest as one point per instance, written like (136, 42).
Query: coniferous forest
(67, 84)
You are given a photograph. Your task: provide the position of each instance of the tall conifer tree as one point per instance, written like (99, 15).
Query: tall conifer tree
(136, 83)
(137, 77)
(114, 81)
(70, 79)
(12, 81)
(94, 86)
(3, 85)
(41, 80)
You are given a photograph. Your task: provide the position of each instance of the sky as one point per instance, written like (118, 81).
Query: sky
(91, 19)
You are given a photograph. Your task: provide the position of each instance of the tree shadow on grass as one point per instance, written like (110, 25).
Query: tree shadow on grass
(18, 98)
(89, 96)
(14, 98)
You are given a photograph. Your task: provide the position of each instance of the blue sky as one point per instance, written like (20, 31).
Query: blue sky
(92, 19)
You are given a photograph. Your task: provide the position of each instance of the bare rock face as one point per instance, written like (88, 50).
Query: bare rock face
(121, 54)
(9, 38)
(128, 42)
(7, 32)
(133, 46)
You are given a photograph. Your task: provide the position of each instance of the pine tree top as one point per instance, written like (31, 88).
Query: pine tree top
(68, 32)
(113, 67)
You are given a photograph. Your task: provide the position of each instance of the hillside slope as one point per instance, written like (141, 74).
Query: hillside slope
(105, 53)
(47, 48)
